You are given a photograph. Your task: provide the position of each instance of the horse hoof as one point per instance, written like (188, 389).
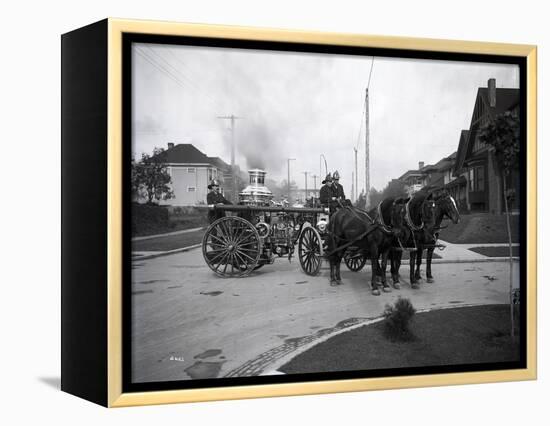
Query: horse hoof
(333, 283)
(386, 289)
(415, 286)
(339, 282)
(430, 280)
(375, 292)
(397, 286)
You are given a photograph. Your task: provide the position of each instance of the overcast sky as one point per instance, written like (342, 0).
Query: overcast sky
(296, 105)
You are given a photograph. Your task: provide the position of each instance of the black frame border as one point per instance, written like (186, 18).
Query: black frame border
(128, 38)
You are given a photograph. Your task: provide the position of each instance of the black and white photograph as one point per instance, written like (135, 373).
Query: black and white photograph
(296, 213)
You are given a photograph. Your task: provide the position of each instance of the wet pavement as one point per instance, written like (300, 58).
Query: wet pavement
(191, 324)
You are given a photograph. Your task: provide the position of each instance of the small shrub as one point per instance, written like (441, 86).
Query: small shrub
(398, 318)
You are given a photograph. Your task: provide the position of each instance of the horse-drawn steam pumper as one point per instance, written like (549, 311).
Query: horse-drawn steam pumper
(257, 230)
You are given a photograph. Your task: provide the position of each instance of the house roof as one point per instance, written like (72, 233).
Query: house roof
(186, 153)
(461, 152)
(410, 173)
(506, 100)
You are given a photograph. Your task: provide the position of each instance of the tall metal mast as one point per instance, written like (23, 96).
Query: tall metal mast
(367, 147)
(232, 118)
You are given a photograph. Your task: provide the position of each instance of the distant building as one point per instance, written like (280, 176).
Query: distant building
(414, 180)
(191, 171)
(300, 194)
(476, 161)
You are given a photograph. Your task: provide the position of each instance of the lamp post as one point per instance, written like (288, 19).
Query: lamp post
(326, 168)
(305, 191)
(288, 160)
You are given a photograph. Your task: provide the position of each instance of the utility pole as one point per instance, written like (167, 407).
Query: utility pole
(305, 193)
(352, 188)
(314, 183)
(367, 147)
(288, 160)
(232, 118)
(354, 182)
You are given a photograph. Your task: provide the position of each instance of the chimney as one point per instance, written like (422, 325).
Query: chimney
(492, 86)
(170, 145)
(420, 164)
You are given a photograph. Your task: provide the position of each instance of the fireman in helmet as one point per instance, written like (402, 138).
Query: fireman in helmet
(215, 197)
(327, 194)
(339, 189)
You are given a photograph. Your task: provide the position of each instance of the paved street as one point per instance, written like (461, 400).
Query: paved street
(189, 323)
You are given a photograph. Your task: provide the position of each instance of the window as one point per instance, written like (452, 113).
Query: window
(477, 178)
(480, 178)
(191, 170)
(191, 189)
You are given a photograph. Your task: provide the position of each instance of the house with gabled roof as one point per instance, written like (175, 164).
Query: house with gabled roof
(191, 171)
(477, 161)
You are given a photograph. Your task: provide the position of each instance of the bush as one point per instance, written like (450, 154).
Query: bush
(397, 319)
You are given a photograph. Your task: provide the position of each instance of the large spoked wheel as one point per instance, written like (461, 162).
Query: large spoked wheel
(355, 260)
(231, 247)
(309, 251)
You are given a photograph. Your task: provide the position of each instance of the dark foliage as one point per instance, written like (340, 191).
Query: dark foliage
(398, 318)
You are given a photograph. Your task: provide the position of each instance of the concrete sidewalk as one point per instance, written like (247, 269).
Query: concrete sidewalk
(462, 252)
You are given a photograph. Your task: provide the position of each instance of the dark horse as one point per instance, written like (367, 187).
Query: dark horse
(445, 207)
(420, 219)
(390, 214)
(349, 226)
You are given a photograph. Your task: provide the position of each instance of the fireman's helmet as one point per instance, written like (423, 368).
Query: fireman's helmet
(214, 182)
(336, 175)
(328, 178)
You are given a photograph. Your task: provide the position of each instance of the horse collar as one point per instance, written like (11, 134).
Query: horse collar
(385, 227)
(409, 220)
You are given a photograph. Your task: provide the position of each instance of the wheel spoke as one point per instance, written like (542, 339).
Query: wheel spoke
(222, 261)
(218, 256)
(222, 241)
(246, 255)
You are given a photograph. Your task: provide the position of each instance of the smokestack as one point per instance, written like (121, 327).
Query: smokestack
(492, 85)
(170, 145)
(420, 164)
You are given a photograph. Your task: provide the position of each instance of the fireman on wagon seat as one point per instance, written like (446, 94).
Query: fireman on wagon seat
(339, 189)
(215, 197)
(327, 194)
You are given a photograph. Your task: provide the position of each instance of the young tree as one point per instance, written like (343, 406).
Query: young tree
(150, 178)
(395, 188)
(502, 134)
(361, 202)
(375, 197)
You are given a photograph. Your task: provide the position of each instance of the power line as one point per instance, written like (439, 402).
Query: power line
(160, 68)
(179, 73)
(370, 73)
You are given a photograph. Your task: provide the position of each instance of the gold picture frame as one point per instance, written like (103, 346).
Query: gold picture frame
(114, 30)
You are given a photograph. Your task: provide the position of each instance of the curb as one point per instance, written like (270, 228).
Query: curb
(486, 260)
(168, 234)
(434, 261)
(166, 253)
(273, 369)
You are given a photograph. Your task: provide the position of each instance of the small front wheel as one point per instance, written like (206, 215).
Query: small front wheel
(355, 260)
(310, 251)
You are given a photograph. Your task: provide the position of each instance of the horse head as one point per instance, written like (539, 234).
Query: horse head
(428, 213)
(448, 207)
